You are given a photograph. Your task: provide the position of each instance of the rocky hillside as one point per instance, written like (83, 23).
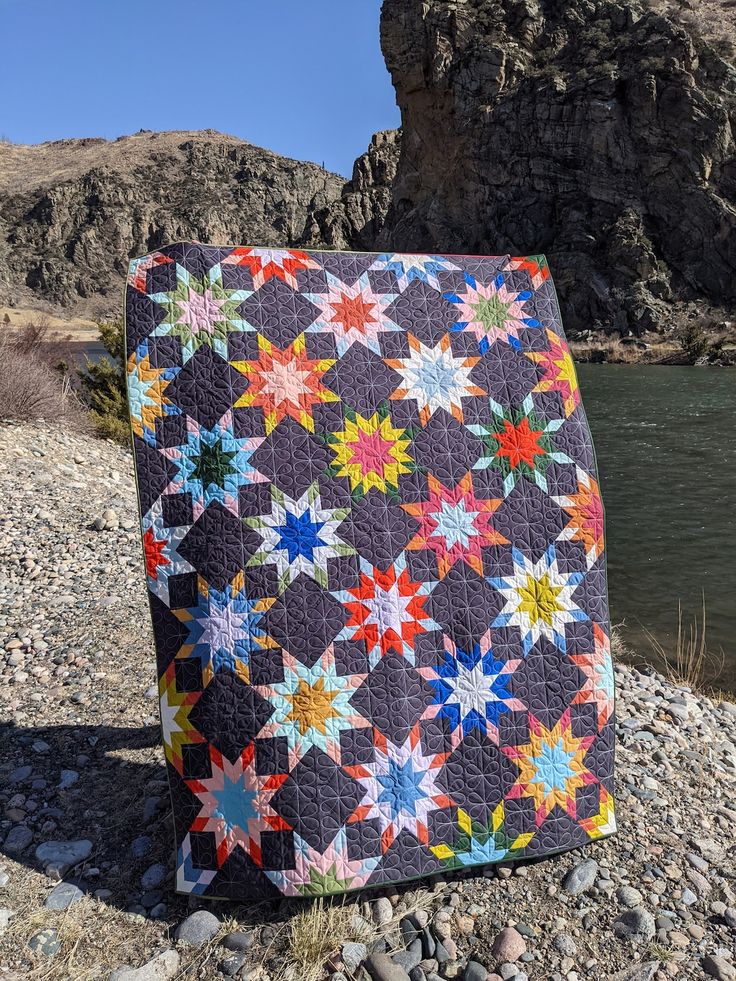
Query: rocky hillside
(72, 212)
(597, 131)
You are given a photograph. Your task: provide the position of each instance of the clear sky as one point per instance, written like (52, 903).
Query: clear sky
(305, 78)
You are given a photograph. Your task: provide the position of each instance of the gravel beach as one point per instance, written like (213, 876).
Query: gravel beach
(86, 868)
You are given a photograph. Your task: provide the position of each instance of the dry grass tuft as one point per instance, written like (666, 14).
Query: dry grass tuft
(690, 663)
(316, 933)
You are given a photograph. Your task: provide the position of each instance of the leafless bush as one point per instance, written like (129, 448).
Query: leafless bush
(29, 387)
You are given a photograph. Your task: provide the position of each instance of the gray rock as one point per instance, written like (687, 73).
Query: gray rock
(18, 839)
(230, 965)
(198, 928)
(409, 958)
(239, 940)
(383, 911)
(68, 779)
(45, 942)
(141, 846)
(353, 955)
(628, 896)
(475, 972)
(58, 857)
(4, 878)
(637, 972)
(719, 968)
(162, 967)
(565, 945)
(635, 924)
(63, 896)
(382, 968)
(5, 916)
(409, 929)
(19, 774)
(581, 877)
(153, 876)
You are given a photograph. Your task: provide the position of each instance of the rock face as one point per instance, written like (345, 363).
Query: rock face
(74, 211)
(591, 130)
(596, 131)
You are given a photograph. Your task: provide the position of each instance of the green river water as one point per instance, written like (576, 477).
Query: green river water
(665, 438)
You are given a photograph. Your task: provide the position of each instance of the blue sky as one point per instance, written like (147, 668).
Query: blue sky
(305, 78)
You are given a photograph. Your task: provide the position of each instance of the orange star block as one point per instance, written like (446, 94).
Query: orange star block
(559, 372)
(586, 516)
(285, 383)
(154, 554)
(353, 313)
(454, 524)
(387, 611)
(265, 264)
(520, 443)
(551, 767)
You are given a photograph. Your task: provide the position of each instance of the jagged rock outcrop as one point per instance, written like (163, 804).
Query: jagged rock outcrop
(357, 219)
(72, 212)
(592, 130)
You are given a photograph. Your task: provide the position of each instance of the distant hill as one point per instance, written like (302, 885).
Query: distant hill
(73, 211)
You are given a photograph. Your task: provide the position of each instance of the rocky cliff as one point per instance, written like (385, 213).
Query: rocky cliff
(597, 131)
(594, 131)
(72, 212)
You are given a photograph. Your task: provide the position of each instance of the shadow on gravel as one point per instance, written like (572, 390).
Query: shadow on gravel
(98, 783)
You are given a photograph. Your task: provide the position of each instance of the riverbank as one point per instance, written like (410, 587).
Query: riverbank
(81, 763)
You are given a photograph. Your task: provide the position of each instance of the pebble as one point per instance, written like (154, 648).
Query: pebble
(45, 942)
(18, 839)
(581, 877)
(68, 779)
(508, 946)
(197, 928)
(628, 896)
(231, 965)
(353, 954)
(162, 967)
(719, 968)
(153, 876)
(239, 940)
(636, 924)
(64, 895)
(382, 968)
(383, 911)
(564, 944)
(58, 857)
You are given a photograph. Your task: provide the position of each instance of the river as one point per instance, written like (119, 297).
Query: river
(665, 438)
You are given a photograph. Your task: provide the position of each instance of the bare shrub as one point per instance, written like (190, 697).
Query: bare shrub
(29, 387)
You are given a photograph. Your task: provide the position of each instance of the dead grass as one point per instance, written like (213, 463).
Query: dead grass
(615, 351)
(690, 662)
(318, 931)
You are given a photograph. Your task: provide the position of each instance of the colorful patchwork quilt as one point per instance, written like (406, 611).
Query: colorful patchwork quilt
(373, 541)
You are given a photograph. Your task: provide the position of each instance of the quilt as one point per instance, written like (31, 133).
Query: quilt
(374, 547)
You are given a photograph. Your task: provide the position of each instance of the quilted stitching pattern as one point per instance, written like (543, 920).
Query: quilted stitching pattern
(374, 547)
